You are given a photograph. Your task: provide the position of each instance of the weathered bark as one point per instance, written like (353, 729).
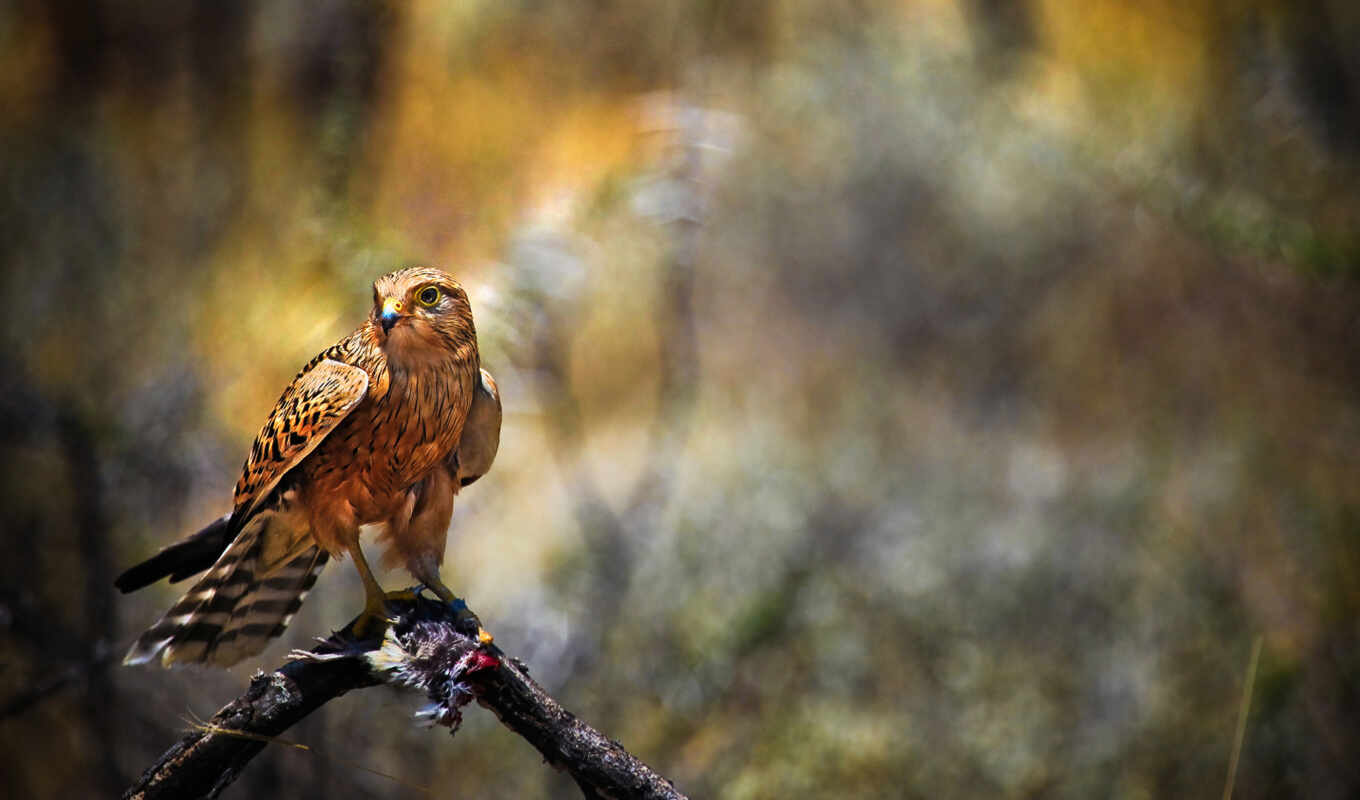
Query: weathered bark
(432, 648)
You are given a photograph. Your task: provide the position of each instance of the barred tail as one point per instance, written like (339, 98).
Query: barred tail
(235, 608)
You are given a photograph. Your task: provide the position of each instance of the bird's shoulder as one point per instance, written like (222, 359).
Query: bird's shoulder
(481, 436)
(319, 397)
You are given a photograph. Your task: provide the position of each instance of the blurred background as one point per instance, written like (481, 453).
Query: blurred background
(921, 398)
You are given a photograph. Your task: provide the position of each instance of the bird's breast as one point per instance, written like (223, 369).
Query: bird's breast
(391, 441)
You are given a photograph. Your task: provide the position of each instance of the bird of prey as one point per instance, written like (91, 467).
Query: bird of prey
(383, 428)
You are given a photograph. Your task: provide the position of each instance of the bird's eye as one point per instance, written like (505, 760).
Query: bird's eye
(428, 296)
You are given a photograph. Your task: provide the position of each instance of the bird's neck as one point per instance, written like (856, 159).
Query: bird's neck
(423, 361)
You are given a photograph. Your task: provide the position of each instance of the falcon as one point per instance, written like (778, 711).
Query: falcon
(383, 428)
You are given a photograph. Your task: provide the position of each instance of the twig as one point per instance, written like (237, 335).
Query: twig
(430, 647)
(1242, 718)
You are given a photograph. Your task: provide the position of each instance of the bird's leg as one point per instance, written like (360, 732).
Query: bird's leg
(434, 584)
(373, 621)
(421, 539)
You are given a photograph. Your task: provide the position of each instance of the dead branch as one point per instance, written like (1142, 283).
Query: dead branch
(431, 647)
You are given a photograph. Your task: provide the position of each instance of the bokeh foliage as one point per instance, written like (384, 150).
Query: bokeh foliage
(929, 398)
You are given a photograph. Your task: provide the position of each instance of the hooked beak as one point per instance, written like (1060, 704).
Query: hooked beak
(391, 312)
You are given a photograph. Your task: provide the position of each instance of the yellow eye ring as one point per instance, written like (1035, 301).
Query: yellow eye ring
(429, 296)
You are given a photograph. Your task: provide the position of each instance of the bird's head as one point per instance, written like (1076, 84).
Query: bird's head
(421, 313)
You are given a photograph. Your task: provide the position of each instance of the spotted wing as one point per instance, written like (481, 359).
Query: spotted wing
(310, 408)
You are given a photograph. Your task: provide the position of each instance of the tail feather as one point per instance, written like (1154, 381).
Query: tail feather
(235, 608)
(181, 559)
(267, 608)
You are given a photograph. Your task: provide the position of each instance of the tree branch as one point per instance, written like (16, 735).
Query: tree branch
(430, 647)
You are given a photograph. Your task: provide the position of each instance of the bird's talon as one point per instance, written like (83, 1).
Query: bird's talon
(371, 625)
(404, 595)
